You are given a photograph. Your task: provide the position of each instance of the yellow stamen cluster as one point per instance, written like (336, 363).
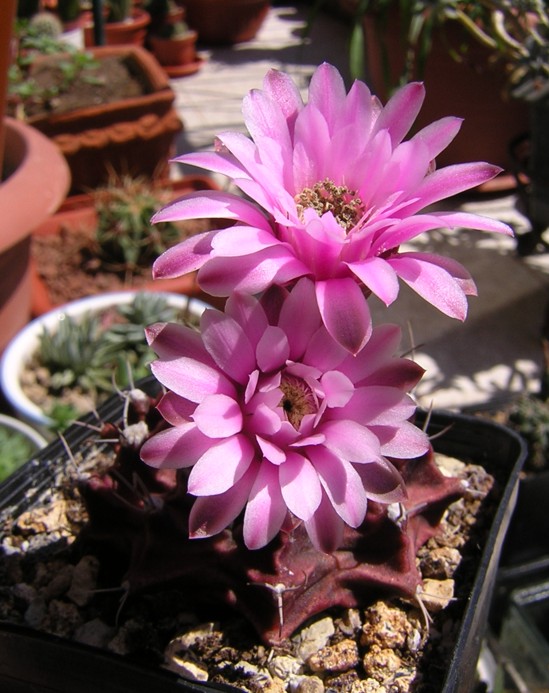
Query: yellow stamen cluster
(326, 196)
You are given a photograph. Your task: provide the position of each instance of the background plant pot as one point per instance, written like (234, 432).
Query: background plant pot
(499, 449)
(529, 162)
(524, 645)
(226, 21)
(78, 212)
(133, 136)
(177, 55)
(21, 348)
(131, 31)
(473, 89)
(36, 181)
(525, 554)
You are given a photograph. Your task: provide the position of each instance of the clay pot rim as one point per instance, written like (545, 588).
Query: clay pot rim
(40, 178)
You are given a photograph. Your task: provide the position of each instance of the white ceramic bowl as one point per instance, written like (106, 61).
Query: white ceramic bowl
(20, 349)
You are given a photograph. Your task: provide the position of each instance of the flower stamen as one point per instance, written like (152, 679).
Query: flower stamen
(298, 399)
(326, 196)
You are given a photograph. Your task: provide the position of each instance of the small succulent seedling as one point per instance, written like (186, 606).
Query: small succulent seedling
(125, 238)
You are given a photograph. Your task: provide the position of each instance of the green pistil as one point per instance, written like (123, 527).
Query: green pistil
(298, 399)
(326, 196)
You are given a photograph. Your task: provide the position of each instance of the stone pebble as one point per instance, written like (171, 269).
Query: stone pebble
(339, 657)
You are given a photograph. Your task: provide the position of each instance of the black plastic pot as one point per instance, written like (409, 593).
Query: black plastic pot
(525, 555)
(524, 642)
(30, 662)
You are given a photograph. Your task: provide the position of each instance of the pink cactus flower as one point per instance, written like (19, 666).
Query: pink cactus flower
(277, 419)
(334, 191)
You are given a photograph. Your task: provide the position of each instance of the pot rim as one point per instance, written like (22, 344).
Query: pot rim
(28, 153)
(36, 438)
(21, 347)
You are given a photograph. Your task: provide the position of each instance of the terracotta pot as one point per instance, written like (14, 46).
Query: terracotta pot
(131, 31)
(226, 21)
(176, 55)
(38, 181)
(132, 136)
(78, 212)
(473, 89)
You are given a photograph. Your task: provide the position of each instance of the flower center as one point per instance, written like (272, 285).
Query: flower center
(297, 399)
(326, 196)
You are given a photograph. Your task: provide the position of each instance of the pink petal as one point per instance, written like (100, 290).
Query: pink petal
(174, 409)
(249, 314)
(221, 466)
(382, 481)
(283, 90)
(378, 351)
(271, 451)
(403, 374)
(171, 340)
(224, 339)
(342, 485)
(406, 441)
(378, 276)
(338, 389)
(438, 135)
(299, 317)
(218, 162)
(187, 256)
(452, 180)
(266, 510)
(325, 528)
(175, 448)
(327, 93)
(379, 404)
(251, 273)
(311, 146)
(191, 379)
(273, 349)
(264, 119)
(211, 204)
(263, 420)
(345, 312)
(350, 441)
(401, 110)
(242, 240)
(218, 416)
(300, 486)
(473, 221)
(430, 278)
(211, 514)
(323, 352)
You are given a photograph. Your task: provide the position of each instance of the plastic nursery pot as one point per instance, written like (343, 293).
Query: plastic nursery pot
(19, 351)
(524, 641)
(525, 555)
(39, 663)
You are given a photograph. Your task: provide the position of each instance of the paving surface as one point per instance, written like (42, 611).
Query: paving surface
(496, 353)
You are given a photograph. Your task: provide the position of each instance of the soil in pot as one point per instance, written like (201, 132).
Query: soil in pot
(112, 79)
(56, 584)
